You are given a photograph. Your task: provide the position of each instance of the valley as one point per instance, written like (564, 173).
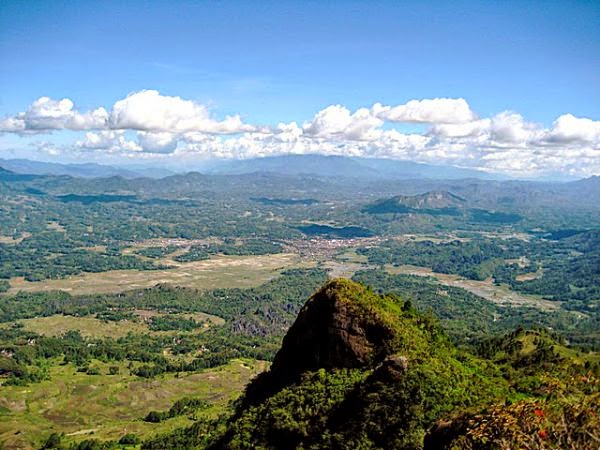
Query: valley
(499, 294)
(250, 225)
(118, 301)
(218, 272)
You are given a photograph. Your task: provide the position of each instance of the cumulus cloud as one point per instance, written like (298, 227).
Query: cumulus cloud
(336, 121)
(157, 142)
(12, 125)
(506, 128)
(145, 110)
(147, 124)
(570, 129)
(109, 140)
(466, 129)
(49, 148)
(510, 128)
(288, 132)
(436, 110)
(148, 110)
(46, 114)
(508, 143)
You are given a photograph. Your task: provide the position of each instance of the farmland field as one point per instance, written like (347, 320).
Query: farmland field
(109, 406)
(487, 289)
(95, 328)
(217, 272)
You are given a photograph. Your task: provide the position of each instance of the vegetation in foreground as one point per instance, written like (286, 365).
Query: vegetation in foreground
(111, 402)
(362, 370)
(169, 335)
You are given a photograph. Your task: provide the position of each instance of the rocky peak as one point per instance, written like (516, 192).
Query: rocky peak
(340, 326)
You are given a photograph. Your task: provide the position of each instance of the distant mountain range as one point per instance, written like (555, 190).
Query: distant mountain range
(317, 165)
(341, 166)
(8, 175)
(84, 170)
(366, 169)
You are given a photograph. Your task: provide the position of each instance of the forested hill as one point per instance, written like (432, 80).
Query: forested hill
(363, 370)
(434, 201)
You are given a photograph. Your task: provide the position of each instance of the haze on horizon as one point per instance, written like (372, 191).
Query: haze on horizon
(509, 87)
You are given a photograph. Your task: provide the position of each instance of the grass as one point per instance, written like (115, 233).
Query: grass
(109, 406)
(10, 240)
(89, 326)
(487, 289)
(345, 264)
(530, 275)
(571, 354)
(216, 272)
(348, 262)
(54, 225)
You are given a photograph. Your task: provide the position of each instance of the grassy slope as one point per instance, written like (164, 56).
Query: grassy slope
(89, 326)
(109, 406)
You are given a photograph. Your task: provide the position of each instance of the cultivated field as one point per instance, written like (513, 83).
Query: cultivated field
(95, 328)
(109, 406)
(486, 289)
(216, 272)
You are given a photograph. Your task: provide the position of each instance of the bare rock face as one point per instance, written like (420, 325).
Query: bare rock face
(396, 366)
(332, 330)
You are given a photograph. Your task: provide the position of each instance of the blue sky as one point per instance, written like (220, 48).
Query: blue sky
(278, 62)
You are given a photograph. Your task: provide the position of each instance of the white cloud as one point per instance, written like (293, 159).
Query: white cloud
(12, 125)
(511, 128)
(148, 110)
(46, 114)
(146, 124)
(157, 142)
(336, 121)
(288, 132)
(506, 128)
(436, 110)
(109, 140)
(455, 130)
(145, 110)
(570, 129)
(49, 148)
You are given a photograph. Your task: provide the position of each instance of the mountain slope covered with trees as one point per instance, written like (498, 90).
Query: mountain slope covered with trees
(363, 370)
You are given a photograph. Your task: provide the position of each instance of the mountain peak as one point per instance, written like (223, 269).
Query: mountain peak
(363, 370)
(343, 325)
(355, 367)
(433, 201)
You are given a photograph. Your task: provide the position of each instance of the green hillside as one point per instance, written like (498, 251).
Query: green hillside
(362, 370)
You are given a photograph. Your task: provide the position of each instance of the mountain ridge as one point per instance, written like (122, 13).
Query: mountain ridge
(79, 170)
(438, 201)
(288, 165)
(350, 167)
